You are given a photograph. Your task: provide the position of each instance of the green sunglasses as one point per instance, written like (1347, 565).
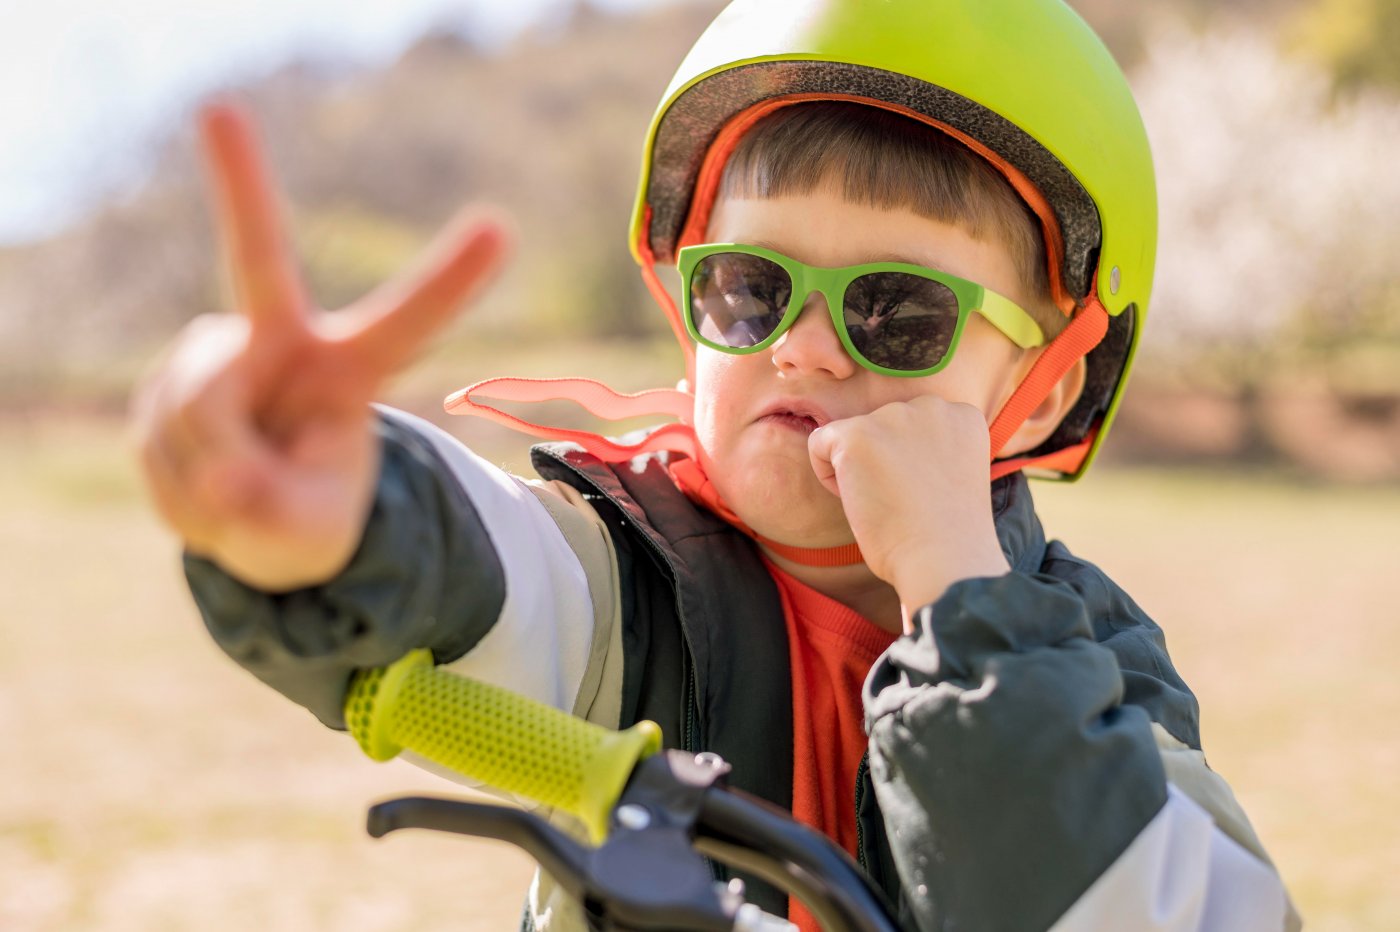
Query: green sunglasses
(893, 318)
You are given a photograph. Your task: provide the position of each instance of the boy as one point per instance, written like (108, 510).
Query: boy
(915, 237)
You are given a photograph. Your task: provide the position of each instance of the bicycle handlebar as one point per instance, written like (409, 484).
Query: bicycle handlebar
(495, 736)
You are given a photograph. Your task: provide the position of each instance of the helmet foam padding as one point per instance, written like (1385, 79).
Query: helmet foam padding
(692, 122)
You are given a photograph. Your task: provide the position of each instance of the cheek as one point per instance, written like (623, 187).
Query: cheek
(745, 464)
(984, 371)
(719, 386)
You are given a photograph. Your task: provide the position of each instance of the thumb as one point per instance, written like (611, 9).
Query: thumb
(822, 449)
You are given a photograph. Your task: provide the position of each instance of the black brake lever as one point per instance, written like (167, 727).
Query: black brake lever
(565, 859)
(645, 877)
(650, 873)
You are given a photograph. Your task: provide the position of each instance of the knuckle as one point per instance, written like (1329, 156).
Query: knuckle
(207, 487)
(156, 420)
(843, 432)
(189, 410)
(148, 452)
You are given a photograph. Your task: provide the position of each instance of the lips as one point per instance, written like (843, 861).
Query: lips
(795, 415)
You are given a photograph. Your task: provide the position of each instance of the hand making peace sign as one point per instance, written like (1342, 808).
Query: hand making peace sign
(255, 433)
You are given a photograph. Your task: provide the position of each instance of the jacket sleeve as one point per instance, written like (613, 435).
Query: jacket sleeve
(456, 556)
(1020, 792)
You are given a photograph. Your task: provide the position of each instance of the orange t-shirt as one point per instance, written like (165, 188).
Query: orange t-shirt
(832, 648)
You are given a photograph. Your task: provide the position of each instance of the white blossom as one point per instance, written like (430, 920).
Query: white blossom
(1276, 201)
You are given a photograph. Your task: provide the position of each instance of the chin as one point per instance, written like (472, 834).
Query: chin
(785, 502)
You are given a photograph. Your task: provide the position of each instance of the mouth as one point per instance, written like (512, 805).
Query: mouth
(796, 416)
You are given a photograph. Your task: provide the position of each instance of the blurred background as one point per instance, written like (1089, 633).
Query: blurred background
(1249, 498)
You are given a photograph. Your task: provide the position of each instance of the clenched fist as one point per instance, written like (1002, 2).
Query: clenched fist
(912, 479)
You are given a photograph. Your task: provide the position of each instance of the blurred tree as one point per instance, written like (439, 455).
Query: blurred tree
(1280, 202)
(372, 162)
(1280, 221)
(1358, 40)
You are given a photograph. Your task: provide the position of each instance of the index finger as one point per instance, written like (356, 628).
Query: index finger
(390, 325)
(265, 280)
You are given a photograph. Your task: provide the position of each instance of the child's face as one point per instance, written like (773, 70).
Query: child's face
(753, 413)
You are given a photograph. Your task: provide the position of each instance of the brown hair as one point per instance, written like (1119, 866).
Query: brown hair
(891, 161)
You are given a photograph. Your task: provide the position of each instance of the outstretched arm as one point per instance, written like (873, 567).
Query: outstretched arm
(322, 535)
(457, 556)
(256, 436)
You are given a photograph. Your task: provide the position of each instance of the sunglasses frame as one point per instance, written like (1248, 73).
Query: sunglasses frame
(1001, 312)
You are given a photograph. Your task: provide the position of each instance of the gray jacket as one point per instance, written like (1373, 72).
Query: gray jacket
(1033, 753)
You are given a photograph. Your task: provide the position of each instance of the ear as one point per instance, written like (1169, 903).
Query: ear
(1047, 416)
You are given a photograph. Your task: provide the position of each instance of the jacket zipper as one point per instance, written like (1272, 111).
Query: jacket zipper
(688, 729)
(861, 773)
(691, 703)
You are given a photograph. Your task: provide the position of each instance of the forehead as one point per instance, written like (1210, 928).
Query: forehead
(823, 228)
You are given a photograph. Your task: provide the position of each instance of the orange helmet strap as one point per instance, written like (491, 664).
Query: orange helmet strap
(1084, 332)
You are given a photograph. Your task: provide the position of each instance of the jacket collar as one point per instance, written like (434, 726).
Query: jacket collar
(1018, 529)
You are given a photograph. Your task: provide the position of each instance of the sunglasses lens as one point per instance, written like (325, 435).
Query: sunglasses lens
(901, 321)
(737, 300)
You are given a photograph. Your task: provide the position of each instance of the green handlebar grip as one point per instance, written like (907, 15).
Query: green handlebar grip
(496, 737)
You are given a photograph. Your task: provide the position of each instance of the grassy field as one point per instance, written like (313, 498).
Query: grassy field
(148, 784)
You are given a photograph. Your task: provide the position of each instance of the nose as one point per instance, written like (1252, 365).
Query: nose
(811, 345)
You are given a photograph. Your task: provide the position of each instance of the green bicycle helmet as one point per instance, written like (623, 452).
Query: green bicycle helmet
(1024, 83)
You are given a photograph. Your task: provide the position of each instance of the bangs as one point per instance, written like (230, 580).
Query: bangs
(889, 161)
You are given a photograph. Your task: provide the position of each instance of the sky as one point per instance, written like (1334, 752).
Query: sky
(86, 86)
